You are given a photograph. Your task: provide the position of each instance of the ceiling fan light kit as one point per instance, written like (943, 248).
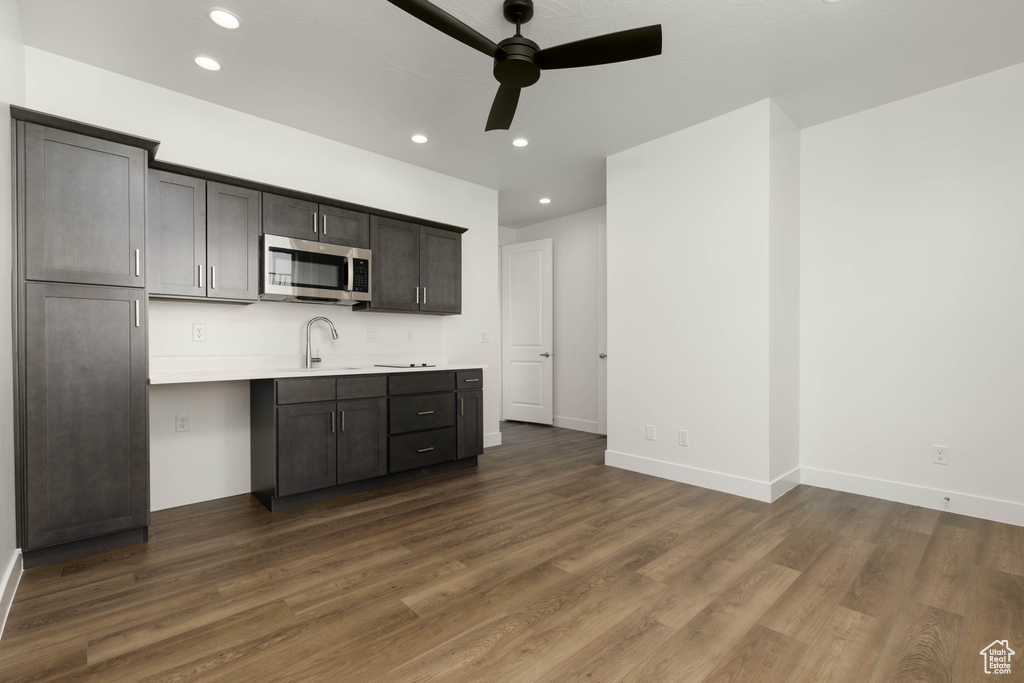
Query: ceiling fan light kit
(518, 61)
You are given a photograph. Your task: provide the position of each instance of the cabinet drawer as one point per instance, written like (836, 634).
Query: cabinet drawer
(415, 413)
(469, 379)
(421, 382)
(410, 451)
(305, 390)
(362, 387)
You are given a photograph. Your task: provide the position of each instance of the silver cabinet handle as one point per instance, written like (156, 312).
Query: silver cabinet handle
(602, 355)
(424, 295)
(137, 263)
(325, 223)
(332, 422)
(136, 313)
(314, 221)
(417, 295)
(546, 355)
(425, 450)
(200, 276)
(213, 277)
(471, 380)
(462, 407)
(343, 421)
(426, 412)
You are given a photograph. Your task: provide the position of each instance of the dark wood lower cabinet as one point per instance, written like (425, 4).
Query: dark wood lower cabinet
(470, 424)
(85, 460)
(307, 448)
(362, 439)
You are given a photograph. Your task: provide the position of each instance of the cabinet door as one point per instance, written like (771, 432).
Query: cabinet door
(470, 424)
(307, 448)
(84, 209)
(232, 242)
(288, 217)
(86, 468)
(441, 271)
(177, 234)
(362, 439)
(344, 227)
(396, 264)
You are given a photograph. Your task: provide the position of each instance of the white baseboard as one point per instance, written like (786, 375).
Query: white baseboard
(784, 484)
(579, 425)
(493, 439)
(960, 503)
(727, 483)
(9, 581)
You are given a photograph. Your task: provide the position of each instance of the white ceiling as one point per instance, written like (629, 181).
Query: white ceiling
(365, 73)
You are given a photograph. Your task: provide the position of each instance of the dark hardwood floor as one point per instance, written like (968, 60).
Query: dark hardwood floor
(540, 565)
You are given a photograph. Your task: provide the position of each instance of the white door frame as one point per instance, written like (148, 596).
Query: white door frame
(602, 328)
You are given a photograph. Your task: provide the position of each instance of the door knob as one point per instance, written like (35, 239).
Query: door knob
(602, 355)
(546, 355)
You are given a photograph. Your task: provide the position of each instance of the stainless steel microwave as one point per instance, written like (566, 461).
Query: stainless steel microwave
(313, 272)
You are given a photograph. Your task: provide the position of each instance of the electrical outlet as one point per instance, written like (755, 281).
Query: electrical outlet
(371, 334)
(940, 455)
(198, 333)
(410, 335)
(485, 337)
(181, 422)
(684, 437)
(650, 432)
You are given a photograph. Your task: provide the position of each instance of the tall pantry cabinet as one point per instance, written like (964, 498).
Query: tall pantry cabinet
(80, 332)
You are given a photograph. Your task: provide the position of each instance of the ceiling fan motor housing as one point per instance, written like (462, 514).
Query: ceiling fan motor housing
(516, 66)
(518, 10)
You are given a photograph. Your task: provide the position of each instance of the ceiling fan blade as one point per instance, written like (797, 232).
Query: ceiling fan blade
(607, 49)
(433, 15)
(504, 108)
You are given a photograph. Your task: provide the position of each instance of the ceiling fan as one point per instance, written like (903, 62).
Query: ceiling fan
(518, 61)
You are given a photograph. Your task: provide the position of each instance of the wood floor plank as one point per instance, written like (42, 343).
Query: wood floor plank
(613, 654)
(845, 651)
(941, 580)
(1002, 547)
(698, 647)
(995, 611)
(764, 655)
(914, 518)
(922, 646)
(802, 610)
(810, 538)
(880, 586)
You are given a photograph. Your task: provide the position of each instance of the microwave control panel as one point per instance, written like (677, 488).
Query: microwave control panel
(361, 275)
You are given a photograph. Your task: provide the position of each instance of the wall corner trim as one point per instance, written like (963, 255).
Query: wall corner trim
(992, 509)
(9, 581)
(493, 439)
(718, 481)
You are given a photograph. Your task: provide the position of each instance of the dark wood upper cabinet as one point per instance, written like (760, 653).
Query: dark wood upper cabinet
(232, 242)
(415, 268)
(306, 220)
(84, 199)
(177, 234)
(395, 269)
(440, 271)
(86, 467)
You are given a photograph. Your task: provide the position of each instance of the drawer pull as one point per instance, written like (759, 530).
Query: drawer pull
(426, 412)
(472, 380)
(425, 450)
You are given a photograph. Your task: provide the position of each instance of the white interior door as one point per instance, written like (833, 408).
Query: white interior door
(526, 332)
(602, 329)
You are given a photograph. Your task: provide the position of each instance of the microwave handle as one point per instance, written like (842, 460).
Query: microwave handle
(351, 273)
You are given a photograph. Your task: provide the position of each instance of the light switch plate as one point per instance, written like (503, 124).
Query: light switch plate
(371, 334)
(650, 432)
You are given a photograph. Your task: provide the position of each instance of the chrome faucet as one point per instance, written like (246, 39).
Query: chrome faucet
(310, 358)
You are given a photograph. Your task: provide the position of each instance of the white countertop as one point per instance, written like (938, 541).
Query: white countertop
(244, 374)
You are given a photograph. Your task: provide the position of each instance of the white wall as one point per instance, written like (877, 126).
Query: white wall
(208, 136)
(12, 91)
(574, 260)
(912, 323)
(688, 304)
(783, 295)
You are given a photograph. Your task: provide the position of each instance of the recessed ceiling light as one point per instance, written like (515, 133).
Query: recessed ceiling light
(419, 139)
(208, 63)
(224, 18)
(520, 142)
(831, 2)
(545, 200)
